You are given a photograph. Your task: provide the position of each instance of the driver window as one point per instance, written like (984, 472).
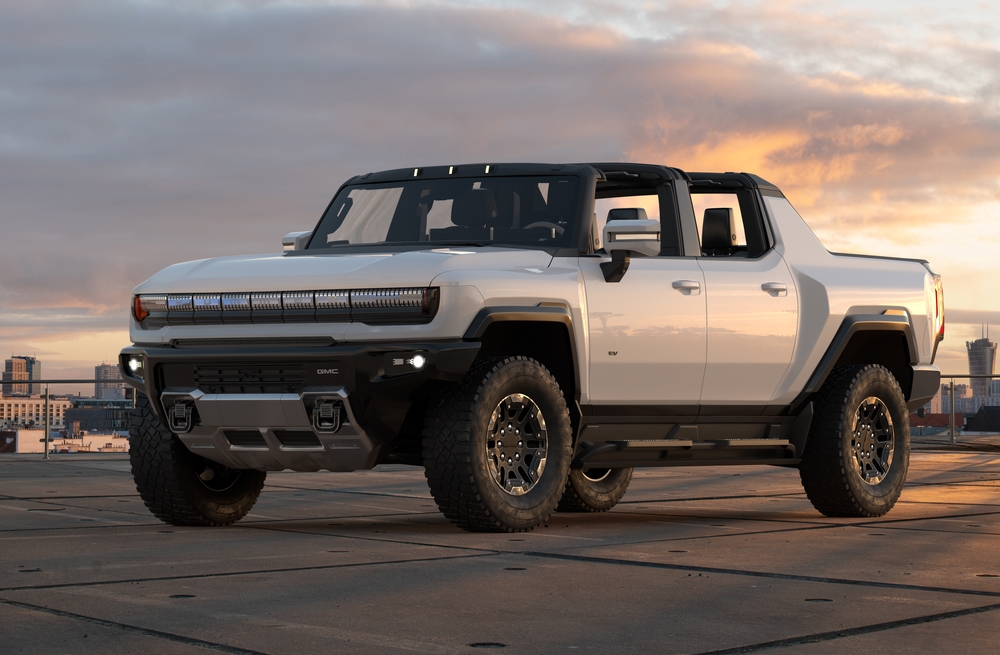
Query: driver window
(651, 203)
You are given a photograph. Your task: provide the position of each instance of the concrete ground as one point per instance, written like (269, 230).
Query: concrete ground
(694, 560)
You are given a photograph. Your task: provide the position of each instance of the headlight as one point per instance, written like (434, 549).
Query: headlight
(402, 363)
(134, 366)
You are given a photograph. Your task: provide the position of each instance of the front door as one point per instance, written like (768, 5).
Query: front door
(647, 332)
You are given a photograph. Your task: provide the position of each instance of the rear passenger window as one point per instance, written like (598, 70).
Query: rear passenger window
(727, 221)
(703, 201)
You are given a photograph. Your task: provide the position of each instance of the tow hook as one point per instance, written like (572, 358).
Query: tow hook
(180, 416)
(326, 415)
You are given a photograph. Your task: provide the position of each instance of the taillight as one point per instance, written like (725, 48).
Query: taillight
(939, 306)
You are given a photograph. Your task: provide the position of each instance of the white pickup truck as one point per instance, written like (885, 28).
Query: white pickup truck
(530, 333)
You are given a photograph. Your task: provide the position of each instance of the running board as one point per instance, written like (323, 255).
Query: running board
(653, 452)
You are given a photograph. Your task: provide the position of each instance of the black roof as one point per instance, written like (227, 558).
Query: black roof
(602, 170)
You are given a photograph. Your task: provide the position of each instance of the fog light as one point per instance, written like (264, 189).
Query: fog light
(134, 364)
(418, 361)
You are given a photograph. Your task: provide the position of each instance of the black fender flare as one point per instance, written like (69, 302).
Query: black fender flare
(851, 326)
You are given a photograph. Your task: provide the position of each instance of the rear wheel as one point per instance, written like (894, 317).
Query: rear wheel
(858, 450)
(182, 488)
(497, 446)
(596, 490)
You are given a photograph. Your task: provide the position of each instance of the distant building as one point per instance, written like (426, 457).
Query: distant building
(98, 415)
(21, 368)
(108, 390)
(24, 411)
(982, 358)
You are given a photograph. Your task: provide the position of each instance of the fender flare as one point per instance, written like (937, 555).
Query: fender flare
(851, 326)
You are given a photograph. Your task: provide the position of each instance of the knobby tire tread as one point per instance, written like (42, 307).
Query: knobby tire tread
(823, 471)
(446, 449)
(156, 468)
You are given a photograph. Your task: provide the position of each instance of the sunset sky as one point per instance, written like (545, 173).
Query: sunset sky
(138, 134)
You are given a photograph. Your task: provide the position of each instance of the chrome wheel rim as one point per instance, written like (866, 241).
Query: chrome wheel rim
(516, 444)
(872, 440)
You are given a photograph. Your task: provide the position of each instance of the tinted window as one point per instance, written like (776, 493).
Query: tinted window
(540, 211)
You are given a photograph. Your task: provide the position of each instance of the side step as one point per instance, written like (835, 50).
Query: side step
(661, 451)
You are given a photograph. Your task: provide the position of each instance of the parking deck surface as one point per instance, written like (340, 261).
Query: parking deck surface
(694, 560)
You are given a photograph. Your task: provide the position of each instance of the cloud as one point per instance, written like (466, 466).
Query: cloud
(135, 135)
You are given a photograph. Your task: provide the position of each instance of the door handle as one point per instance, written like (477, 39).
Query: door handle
(690, 287)
(775, 288)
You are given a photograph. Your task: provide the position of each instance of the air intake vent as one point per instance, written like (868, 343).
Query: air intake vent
(250, 379)
(246, 438)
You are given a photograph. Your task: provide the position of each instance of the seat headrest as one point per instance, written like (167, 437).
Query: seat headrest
(627, 213)
(476, 208)
(718, 230)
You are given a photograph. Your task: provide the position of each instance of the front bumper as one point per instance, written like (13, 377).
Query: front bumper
(254, 407)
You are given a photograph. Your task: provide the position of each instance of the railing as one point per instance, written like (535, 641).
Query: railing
(951, 396)
(48, 415)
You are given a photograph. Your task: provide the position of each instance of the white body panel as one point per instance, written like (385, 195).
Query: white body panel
(647, 338)
(751, 331)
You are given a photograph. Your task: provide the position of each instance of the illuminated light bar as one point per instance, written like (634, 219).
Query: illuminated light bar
(298, 307)
(265, 301)
(333, 300)
(207, 302)
(236, 308)
(381, 306)
(297, 300)
(236, 302)
(179, 303)
(366, 298)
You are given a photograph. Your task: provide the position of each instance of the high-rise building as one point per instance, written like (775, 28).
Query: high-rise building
(21, 368)
(108, 390)
(982, 358)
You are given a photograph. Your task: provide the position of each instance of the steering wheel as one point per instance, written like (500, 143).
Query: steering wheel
(558, 228)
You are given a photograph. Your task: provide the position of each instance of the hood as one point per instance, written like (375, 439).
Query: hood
(325, 271)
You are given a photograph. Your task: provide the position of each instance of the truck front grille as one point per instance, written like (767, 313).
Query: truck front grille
(269, 378)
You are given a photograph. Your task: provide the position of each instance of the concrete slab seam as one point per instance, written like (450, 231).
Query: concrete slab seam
(851, 632)
(229, 574)
(764, 574)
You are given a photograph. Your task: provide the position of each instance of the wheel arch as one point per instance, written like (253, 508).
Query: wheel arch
(544, 333)
(882, 339)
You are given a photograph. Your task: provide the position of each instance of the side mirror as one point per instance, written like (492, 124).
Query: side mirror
(295, 240)
(624, 237)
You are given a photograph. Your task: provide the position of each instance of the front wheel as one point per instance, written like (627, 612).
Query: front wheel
(497, 447)
(182, 488)
(858, 450)
(596, 490)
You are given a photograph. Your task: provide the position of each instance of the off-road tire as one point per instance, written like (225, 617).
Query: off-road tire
(832, 481)
(594, 490)
(455, 447)
(166, 475)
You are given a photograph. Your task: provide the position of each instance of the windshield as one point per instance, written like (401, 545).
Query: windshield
(526, 211)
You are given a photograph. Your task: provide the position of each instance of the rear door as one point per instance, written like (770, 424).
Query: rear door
(751, 303)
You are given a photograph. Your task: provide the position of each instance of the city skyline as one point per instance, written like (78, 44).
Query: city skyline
(152, 133)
